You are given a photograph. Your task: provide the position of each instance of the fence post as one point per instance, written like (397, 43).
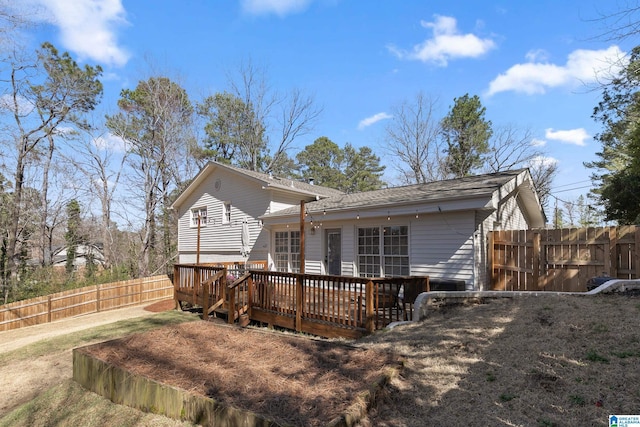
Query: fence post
(196, 283)
(369, 308)
(491, 260)
(536, 260)
(98, 298)
(49, 309)
(613, 248)
(299, 302)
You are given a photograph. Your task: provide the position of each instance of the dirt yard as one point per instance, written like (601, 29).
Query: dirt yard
(536, 361)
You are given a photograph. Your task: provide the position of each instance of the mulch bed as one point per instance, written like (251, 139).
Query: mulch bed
(290, 379)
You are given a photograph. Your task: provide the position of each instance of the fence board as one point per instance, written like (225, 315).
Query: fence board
(89, 299)
(561, 259)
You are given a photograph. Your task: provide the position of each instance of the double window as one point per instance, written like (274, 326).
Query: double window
(287, 251)
(383, 251)
(199, 213)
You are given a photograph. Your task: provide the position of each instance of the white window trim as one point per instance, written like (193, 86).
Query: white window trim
(226, 212)
(193, 220)
(381, 255)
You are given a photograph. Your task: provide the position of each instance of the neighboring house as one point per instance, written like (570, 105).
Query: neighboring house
(84, 252)
(437, 229)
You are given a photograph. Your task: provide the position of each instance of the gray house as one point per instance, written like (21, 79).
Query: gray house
(437, 229)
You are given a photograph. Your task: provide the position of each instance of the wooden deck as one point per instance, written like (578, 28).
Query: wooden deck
(329, 306)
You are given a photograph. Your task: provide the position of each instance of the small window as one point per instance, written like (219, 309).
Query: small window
(226, 213)
(199, 213)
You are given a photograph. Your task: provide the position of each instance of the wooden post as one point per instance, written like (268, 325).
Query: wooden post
(205, 300)
(196, 284)
(250, 296)
(49, 309)
(198, 242)
(302, 254)
(490, 260)
(613, 248)
(98, 298)
(176, 284)
(369, 308)
(299, 301)
(536, 261)
(231, 316)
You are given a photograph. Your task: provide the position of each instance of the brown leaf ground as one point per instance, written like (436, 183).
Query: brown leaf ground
(292, 380)
(536, 361)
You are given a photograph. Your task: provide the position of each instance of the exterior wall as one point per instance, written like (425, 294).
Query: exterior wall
(440, 245)
(218, 241)
(511, 217)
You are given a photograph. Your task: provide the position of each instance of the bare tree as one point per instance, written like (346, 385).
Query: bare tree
(543, 170)
(621, 24)
(511, 147)
(412, 140)
(100, 159)
(283, 117)
(155, 121)
(43, 96)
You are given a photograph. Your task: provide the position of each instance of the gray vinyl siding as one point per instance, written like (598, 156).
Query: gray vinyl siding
(218, 241)
(442, 246)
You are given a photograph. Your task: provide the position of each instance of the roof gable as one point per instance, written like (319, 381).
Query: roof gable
(265, 180)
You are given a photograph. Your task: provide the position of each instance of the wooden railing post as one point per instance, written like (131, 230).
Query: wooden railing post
(205, 299)
(369, 308)
(196, 283)
(250, 295)
(232, 300)
(176, 284)
(299, 301)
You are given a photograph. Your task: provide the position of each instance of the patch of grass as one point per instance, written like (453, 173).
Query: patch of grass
(100, 333)
(593, 356)
(491, 377)
(69, 404)
(506, 397)
(577, 400)
(546, 423)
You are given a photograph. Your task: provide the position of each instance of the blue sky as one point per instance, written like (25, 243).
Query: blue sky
(534, 64)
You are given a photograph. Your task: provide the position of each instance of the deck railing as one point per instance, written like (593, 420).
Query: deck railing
(330, 306)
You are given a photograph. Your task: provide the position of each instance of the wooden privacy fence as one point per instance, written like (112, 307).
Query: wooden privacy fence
(89, 299)
(561, 260)
(329, 306)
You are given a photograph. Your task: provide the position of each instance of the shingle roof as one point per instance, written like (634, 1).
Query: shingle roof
(284, 183)
(460, 188)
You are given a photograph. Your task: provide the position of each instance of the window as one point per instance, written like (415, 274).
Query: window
(287, 251)
(369, 252)
(202, 214)
(386, 256)
(226, 213)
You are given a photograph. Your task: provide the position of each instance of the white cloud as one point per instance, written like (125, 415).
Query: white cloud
(89, 28)
(446, 44)
(582, 66)
(278, 7)
(535, 142)
(572, 136)
(23, 105)
(110, 142)
(542, 161)
(373, 119)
